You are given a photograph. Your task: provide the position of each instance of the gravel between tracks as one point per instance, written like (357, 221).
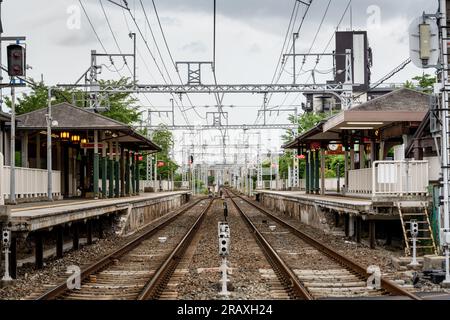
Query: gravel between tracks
(246, 259)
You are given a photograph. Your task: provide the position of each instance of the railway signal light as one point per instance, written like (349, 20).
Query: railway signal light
(6, 238)
(224, 239)
(224, 248)
(414, 228)
(16, 60)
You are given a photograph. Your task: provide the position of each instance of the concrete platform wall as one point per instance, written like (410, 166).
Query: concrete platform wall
(308, 214)
(135, 217)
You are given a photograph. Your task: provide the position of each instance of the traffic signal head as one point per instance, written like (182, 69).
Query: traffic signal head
(16, 60)
(224, 244)
(414, 228)
(6, 238)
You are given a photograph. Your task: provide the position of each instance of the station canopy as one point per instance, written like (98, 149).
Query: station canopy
(398, 107)
(72, 118)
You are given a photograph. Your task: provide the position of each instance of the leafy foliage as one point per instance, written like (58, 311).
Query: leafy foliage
(424, 82)
(122, 105)
(164, 139)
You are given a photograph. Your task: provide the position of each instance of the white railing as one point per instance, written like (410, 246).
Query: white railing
(390, 178)
(30, 183)
(360, 181)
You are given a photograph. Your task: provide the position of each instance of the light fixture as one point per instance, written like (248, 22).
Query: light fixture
(356, 128)
(115, 135)
(365, 123)
(64, 136)
(84, 141)
(75, 139)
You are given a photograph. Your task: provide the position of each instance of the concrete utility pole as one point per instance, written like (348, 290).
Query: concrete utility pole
(49, 146)
(12, 176)
(445, 137)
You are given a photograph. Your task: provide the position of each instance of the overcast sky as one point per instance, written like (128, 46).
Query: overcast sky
(250, 35)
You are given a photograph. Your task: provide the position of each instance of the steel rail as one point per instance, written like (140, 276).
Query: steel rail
(109, 259)
(156, 285)
(386, 284)
(284, 272)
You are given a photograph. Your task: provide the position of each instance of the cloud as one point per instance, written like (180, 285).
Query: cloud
(195, 47)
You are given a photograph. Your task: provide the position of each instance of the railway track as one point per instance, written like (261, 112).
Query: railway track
(309, 269)
(141, 268)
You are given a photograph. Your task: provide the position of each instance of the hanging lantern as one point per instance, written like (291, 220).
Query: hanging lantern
(64, 136)
(75, 139)
(84, 141)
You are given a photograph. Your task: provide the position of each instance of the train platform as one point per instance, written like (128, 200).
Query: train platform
(330, 201)
(37, 216)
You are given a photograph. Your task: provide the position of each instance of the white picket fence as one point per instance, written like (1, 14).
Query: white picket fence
(30, 183)
(391, 178)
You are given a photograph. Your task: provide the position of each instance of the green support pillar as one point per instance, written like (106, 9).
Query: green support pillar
(307, 172)
(137, 174)
(312, 171)
(122, 173)
(96, 164)
(133, 173)
(127, 174)
(117, 178)
(317, 173)
(104, 175)
(111, 177)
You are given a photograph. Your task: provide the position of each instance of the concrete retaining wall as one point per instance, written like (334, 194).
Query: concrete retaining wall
(139, 215)
(309, 214)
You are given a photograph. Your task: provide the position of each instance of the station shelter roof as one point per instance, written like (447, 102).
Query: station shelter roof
(72, 118)
(400, 106)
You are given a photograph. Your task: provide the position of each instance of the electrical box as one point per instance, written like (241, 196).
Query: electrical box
(446, 236)
(425, 42)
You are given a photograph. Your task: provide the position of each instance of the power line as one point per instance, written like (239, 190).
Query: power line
(154, 40)
(153, 57)
(327, 45)
(171, 57)
(92, 26)
(312, 44)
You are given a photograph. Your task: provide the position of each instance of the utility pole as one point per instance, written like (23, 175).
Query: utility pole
(294, 37)
(445, 136)
(133, 35)
(49, 146)
(12, 175)
(1, 71)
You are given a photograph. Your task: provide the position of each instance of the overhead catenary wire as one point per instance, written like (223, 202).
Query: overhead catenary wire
(327, 8)
(154, 59)
(171, 57)
(289, 51)
(327, 45)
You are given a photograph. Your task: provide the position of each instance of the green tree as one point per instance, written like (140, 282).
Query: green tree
(164, 139)
(424, 82)
(121, 105)
(305, 122)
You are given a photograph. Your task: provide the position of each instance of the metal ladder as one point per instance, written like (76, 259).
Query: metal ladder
(425, 240)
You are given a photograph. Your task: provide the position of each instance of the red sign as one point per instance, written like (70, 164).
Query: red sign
(161, 164)
(91, 145)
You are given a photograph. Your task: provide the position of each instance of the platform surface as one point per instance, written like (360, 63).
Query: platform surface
(35, 216)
